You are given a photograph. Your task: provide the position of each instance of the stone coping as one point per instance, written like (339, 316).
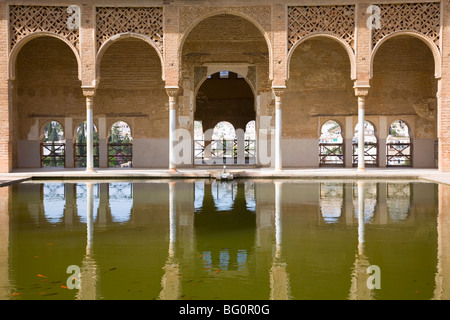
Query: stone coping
(387, 174)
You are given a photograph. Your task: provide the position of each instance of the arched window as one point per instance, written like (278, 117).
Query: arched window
(80, 146)
(223, 145)
(398, 145)
(331, 147)
(53, 145)
(370, 145)
(120, 145)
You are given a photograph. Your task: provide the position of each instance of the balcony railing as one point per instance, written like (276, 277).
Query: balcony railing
(331, 154)
(53, 154)
(224, 152)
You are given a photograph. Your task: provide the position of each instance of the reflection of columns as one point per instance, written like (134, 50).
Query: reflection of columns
(278, 91)
(88, 277)
(361, 215)
(172, 93)
(279, 279)
(104, 210)
(70, 206)
(358, 288)
(442, 279)
(170, 281)
(4, 243)
(361, 92)
(89, 93)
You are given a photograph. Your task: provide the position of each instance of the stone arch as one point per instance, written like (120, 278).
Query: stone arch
(233, 69)
(324, 121)
(121, 36)
(22, 42)
(113, 122)
(226, 11)
(45, 124)
(375, 130)
(410, 132)
(343, 43)
(78, 124)
(431, 45)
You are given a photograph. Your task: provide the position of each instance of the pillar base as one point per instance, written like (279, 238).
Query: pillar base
(173, 170)
(90, 170)
(361, 170)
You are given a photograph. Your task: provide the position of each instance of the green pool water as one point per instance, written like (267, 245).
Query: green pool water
(208, 240)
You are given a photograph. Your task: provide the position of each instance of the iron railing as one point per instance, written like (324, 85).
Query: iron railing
(399, 154)
(120, 154)
(224, 151)
(331, 154)
(79, 155)
(370, 154)
(53, 154)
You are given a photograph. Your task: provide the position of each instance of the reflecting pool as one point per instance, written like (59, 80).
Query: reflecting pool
(203, 239)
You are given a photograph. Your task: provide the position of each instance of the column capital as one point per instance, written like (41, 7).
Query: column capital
(278, 91)
(361, 88)
(89, 91)
(172, 91)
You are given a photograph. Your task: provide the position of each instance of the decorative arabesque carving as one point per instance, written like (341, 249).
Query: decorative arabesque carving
(335, 20)
(423, 18)
(190, 15)
(146, 21)
(26, 20)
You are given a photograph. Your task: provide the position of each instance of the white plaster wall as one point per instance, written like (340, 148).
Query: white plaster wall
(300, 152)
(29, 154)
(150, 153)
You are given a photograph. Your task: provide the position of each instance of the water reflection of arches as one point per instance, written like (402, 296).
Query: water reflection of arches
(370, 201)
(54, 201)
(331, 147)
(223, 207)
(82, 201)
(370, 145)
(121, 201)
(223, 195)
(331, 201)
(398, 200)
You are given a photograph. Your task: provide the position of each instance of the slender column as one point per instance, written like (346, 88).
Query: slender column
(278, 91)
(172, 93)
(361, 92)
(89, 93)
